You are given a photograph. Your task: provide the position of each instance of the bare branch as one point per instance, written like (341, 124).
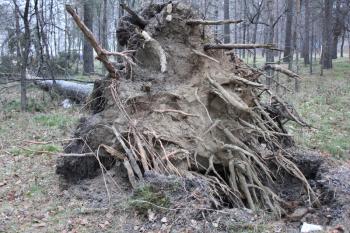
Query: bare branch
(101, 56)
(212, 22)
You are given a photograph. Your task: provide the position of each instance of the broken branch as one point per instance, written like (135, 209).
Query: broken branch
(101, 56)
(282, 70)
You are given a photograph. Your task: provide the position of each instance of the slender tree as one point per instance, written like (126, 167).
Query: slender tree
(288, 32)
(227, 33)
(327, 35)
(88, 53)
(306, 41)
(23, 48)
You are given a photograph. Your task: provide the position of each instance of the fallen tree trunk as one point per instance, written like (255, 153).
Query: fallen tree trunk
(212, 22)
(239, 46)
(77, 92)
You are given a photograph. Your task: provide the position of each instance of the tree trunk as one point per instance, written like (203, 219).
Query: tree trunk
(335, 47)
(76, 92)
(288, 37)
(23, 50)
(227, 33)
(88, 53)
(104, 29)
(269, 53)
(342, 45)
(327, 36)
(306, 44)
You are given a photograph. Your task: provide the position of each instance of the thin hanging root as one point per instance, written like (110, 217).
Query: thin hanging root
(235, 141)
(266, 115)
(265, 191)
(292, 169)
(244, 187)
(129, 154)
(211, 165)
(130, 172)
(235, 100)
(142, 153)
(249, 174)
(232, 180)
(252, 156)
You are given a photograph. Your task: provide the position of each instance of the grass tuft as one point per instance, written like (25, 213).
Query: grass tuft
(146, 197)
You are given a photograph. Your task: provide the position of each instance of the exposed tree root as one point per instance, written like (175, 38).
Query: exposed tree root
(196, 119)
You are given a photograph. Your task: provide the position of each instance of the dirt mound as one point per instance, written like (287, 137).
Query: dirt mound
(177, 109)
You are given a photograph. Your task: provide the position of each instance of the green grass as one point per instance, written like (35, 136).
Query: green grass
(54, 120)
(145, 198)
(324, 103)
(33, 106)
(35, 150)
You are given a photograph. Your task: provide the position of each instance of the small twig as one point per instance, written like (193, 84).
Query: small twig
(204, 55)
(175, 111)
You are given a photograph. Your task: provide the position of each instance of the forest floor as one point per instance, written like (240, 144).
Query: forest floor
(31, 199)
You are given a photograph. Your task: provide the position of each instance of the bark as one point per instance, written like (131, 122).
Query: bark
(88, 53)
(104, 27)
(342, 45)
(327, 36)
(239, 46)
(337, 28)
(269, 54)
(288, 36)
(306, 42)
(227, 33)
(74, 91)
(23, 49)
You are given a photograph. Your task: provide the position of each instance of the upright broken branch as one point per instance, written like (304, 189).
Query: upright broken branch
(101, 53)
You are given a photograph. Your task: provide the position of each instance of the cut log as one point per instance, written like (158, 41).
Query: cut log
(282, 70)
(212, 22)
(74, 91)
(239, 46)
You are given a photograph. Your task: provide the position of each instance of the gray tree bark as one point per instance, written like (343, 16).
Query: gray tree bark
(271, 31)
(327, 40)
(227, 33)
(88, 52)
(288, 38)
(306, 42)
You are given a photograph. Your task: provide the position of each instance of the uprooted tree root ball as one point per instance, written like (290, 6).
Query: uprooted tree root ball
(175, 108)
